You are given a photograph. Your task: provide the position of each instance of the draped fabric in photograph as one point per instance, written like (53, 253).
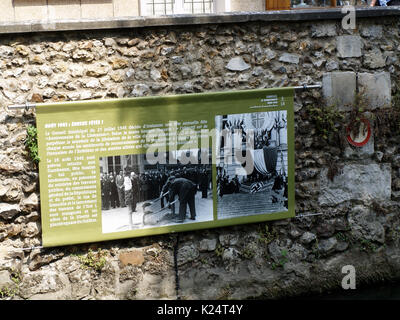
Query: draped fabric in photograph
(265, 159)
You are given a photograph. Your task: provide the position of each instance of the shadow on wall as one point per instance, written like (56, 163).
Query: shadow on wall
(30, 3)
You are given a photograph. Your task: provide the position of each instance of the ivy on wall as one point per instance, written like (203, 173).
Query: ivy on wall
(32, 144)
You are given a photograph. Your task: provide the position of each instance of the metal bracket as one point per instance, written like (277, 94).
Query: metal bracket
(26, 106)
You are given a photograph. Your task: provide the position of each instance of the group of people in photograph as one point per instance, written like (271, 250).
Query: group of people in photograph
(227, 185)
(268, 176)
(127, 188)
(109, 191)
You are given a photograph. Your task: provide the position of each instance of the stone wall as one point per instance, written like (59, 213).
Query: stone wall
(355, 191)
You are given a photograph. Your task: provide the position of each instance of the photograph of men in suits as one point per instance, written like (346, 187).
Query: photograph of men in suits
(155, 195)
(119, 181)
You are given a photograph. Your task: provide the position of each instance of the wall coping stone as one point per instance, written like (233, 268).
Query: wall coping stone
(198, 19)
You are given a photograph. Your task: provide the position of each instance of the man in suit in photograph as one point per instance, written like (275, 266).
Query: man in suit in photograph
(186, 191)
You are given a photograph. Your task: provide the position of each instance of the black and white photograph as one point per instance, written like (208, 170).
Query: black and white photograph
(136, 194)
(264, 188)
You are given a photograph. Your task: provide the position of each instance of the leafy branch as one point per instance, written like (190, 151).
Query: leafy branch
(32, 144)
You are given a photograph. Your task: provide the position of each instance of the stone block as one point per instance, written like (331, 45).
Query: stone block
(339, 88)
(26, 10)
(64, 10)
(326, 246)
(331, 65)
(363, 182)
(43, 284)
(290, 58)
(156, 286)
(5, 279)
(237, 64)
(7, 11)
(133, 257)
(372, 31)
(364, 224)
(126, 8)
(376, 89)
(31, 202)
(348, 46)
(319, 30)
(374, 59)
(366, 151)
(8, 211)
(307, 237)
(207, 245)
(93, 9)
(187, 254)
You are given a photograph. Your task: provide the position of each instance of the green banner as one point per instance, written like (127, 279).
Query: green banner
(113, 169)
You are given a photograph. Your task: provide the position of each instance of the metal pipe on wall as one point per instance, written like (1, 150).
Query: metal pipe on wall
(29, 105)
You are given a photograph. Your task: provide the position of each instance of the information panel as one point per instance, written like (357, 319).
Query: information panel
(113, 169)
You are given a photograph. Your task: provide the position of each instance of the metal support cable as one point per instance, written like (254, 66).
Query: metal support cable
(308, 215)
(29, 105)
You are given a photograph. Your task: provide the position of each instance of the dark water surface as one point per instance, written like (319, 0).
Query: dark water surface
(387, 291)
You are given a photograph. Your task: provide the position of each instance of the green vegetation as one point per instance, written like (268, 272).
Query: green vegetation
(357, 112)
(267, 235)
(32, 144)
(225, 293)
(7, 292)
(248, 253)
(393, 234)
(342, 236)
(333, 169)
(315, 249)
(94, 260)
(219, 250)
(367, 245)
(327, 120)
(16, 276)
(282, 260)
(387, 124)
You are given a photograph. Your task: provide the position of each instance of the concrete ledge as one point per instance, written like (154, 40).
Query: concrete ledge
(233, 17)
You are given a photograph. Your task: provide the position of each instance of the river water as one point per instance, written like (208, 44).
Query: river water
(388, 291)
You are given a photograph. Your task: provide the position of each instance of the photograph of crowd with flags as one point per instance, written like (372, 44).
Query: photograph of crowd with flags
(136, 194)
(265, 188)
